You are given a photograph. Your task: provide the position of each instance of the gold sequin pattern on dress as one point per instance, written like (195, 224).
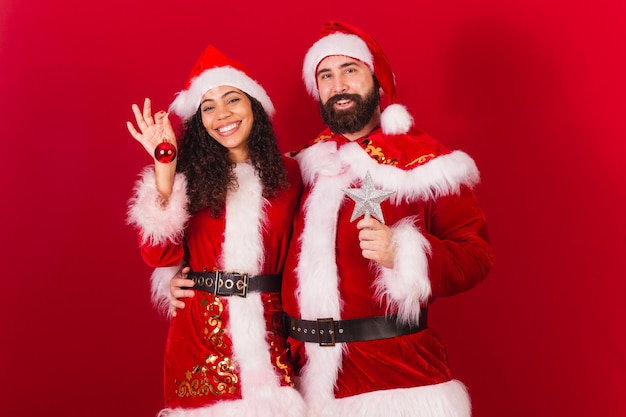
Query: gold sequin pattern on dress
(278, 349)
(217, 375)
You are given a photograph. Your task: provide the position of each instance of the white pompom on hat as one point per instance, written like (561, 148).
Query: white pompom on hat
(337, 38)
(214, 69)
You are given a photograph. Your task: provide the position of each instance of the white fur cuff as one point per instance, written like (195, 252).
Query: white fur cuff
(158, 223)
(406, 287)
(160, 284)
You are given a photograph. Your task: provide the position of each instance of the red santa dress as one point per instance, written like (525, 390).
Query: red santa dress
(225, 355)
(442, 248)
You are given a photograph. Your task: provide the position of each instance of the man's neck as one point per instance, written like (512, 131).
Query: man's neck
(374, 121)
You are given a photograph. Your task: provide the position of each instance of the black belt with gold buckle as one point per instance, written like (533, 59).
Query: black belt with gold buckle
(224, 283)
(328, 331)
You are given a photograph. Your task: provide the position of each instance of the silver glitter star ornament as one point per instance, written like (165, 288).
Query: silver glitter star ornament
(367, 200)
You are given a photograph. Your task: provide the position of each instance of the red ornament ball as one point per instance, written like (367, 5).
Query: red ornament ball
(165, 152)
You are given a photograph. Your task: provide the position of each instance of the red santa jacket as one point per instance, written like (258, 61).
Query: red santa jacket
(442, 248)
(224, 355)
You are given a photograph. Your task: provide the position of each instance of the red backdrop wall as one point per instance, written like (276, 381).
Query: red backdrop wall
(533, 90)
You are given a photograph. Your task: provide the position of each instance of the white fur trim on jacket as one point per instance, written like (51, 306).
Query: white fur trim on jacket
(158, 223)
(243, 250)
(406, 287)
(443, 175)
(317, 269)
(448, 399)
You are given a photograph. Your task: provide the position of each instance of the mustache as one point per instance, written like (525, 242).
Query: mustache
(344, 96)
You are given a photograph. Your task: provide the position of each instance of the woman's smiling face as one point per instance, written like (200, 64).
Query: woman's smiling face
(227, 117)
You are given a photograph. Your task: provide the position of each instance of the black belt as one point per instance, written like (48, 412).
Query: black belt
(233, 283)
(327, 332)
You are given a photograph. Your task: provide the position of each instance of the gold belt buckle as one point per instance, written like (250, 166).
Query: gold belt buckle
(231, 284)
(242, 285)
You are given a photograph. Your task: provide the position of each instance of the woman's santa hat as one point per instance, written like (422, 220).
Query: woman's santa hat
(214, 69)
(338, 38)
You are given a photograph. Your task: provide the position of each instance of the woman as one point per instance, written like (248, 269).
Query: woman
(222, 204)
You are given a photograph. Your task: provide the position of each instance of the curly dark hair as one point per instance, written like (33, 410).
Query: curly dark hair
(209, 170)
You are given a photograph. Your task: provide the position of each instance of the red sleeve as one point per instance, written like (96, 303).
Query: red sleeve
(168, 254)
(461, 255)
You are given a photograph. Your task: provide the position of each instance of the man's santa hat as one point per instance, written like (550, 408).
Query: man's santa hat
(338, 38)
(214, 69)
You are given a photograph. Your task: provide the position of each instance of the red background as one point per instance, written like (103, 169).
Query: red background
(533, 90)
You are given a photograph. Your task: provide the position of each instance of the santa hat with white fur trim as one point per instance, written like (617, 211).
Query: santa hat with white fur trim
(338, 38)
(214, 69)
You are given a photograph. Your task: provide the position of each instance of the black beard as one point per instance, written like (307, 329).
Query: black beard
(351, 120)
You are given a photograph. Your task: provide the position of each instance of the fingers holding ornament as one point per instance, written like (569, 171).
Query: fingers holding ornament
(155, 133)
(165, 151)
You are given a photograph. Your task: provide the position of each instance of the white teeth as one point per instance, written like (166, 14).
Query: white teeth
(342, 102)
(228, 128)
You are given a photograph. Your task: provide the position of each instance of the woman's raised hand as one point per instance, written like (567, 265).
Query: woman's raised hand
(152, 129)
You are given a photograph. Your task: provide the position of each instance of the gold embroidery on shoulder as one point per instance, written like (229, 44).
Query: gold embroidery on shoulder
(420, 160)
(321, 138)
(377, 154)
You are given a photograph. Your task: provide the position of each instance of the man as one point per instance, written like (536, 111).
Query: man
(356, 294)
